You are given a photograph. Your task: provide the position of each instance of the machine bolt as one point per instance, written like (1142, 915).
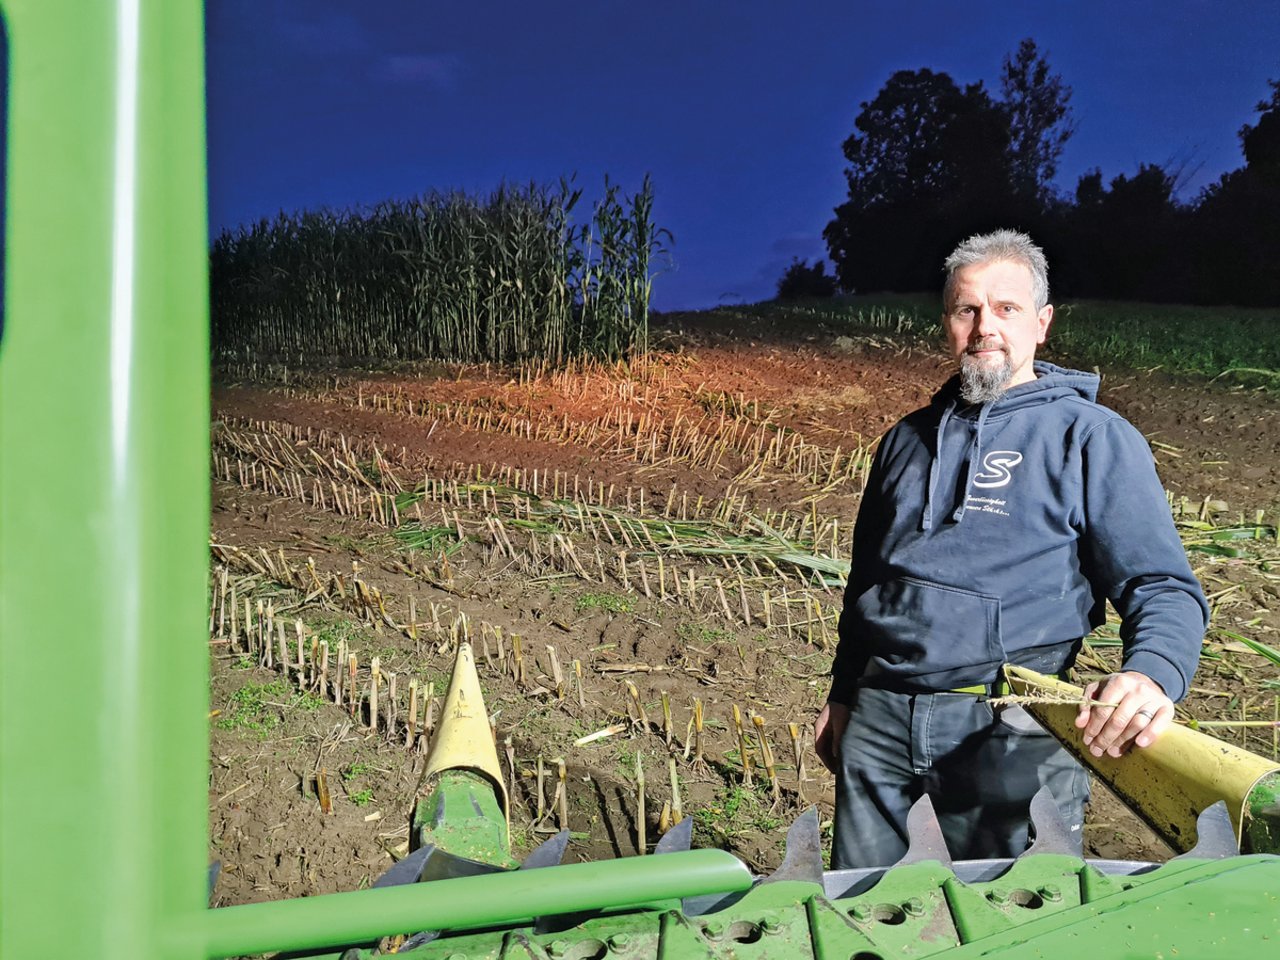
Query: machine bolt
(914, 907)
(1051, 893)
(558, 948)
(998, 895)
(769, 923)
(619, 941)
(860, 913)
(713, 929)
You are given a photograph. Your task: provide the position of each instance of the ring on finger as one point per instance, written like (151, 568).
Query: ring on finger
(1149, 714)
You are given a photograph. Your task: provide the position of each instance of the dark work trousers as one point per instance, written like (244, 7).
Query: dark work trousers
(979, 766)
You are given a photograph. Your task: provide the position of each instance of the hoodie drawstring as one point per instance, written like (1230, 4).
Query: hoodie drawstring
(1051, 381)
(975, 457)
(926, 519)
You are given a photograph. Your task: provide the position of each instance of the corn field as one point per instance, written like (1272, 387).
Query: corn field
(442, 276)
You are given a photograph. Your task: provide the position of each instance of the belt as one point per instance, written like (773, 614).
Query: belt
(999, 688)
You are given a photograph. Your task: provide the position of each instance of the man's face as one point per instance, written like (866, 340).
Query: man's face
(993, 326)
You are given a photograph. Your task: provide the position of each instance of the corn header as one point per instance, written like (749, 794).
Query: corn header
(460, 895)
(103, 439)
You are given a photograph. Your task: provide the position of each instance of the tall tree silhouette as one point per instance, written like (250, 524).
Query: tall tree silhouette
(927, 159)
(1038, 104)
(931, 162)
(1261, 141)
(1237, 222)
(1119, 242)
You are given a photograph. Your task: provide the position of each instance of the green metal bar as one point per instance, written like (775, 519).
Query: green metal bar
(462, 815)
(1210, 910)
(467, 902)
(815, 928)
(103, 481)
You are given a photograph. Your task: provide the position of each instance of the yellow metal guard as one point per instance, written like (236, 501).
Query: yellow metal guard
(1167, 783)
(464, 739)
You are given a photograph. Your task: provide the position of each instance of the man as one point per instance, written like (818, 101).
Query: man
(996, 524)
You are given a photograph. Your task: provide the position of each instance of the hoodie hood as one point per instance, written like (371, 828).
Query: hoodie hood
(1051, 383)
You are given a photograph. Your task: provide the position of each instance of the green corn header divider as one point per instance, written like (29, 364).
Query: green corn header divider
(103, 689)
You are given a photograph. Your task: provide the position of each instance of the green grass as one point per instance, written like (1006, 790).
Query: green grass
(604, 601)
(251, 707)
(909, 316)
(739, 810)
(429, 673)
(335, 631)
(248, 708)
(1206, 341)
(361, 798)
(307, 701)
(1236, 343)
(700, 633)
(625, 772)
(355, 771)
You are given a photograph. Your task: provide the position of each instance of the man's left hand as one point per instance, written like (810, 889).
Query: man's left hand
(1142, 713)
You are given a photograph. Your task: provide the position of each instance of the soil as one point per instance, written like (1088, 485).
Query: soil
(691, 427)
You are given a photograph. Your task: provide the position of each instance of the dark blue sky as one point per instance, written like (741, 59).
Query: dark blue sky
(737, 108)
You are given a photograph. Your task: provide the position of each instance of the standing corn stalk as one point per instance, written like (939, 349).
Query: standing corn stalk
(445, 276)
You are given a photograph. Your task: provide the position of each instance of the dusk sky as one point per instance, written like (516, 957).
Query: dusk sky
(737, 109)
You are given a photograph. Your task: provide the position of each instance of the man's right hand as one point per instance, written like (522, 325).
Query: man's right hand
(828, 730)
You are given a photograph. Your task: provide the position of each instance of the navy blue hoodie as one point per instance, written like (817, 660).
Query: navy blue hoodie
(998, 532)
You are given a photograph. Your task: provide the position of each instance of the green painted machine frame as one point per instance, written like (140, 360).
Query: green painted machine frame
(103, 481)
(103, 575)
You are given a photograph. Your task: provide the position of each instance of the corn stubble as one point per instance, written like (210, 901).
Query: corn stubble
(729, 561)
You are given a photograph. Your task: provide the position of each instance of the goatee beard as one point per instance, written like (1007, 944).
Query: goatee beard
(982, 382)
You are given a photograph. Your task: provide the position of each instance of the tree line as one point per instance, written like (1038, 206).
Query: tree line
(931, 162)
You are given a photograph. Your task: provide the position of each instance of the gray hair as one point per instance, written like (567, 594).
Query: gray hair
(1000, 245)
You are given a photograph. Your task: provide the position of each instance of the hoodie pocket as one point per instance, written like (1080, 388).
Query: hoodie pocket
(917, 629)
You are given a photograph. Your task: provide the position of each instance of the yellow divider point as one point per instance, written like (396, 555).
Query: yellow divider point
(464, 739)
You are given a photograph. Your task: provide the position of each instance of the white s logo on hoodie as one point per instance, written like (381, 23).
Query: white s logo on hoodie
(996, 467)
